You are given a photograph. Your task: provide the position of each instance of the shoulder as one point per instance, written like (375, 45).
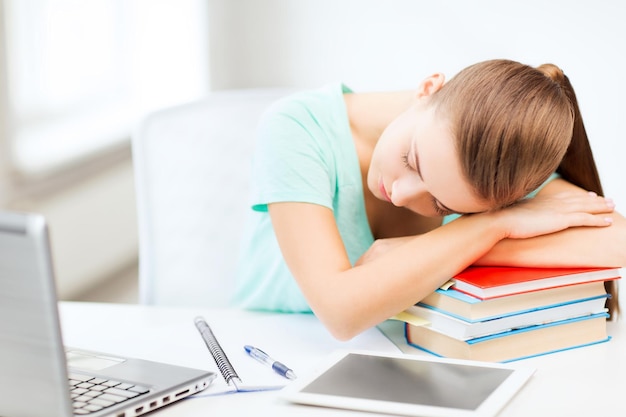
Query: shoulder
(315, 120)
(310, 107)
(559, 185)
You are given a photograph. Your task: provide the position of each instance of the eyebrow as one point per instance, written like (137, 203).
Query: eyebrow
(435, 199)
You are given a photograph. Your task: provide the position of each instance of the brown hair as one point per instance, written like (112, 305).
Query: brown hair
(514, 126)
(578, 165)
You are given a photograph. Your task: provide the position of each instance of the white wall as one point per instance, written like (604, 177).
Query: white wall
(392, 44)
(93, 226)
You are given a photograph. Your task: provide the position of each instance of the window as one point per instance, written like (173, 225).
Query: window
(80, 74)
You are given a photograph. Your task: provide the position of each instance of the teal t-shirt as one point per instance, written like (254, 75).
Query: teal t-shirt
(304, 153)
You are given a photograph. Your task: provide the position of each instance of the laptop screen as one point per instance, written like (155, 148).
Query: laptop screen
(30, 340)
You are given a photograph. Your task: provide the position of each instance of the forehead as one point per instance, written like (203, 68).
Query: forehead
(440, 167)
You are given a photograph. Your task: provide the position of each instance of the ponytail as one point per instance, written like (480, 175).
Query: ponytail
(578, 166)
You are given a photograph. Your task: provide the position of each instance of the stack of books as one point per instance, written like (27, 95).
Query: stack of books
(501, 314)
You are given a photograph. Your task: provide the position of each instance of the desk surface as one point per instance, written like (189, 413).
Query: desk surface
(579, 382)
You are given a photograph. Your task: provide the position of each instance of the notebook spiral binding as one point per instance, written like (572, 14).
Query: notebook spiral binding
(221, 360)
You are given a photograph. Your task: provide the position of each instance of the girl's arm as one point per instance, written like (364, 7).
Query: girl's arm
(350, 299)
(579, 246)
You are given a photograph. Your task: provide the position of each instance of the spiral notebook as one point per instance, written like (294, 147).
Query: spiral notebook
(234, 382)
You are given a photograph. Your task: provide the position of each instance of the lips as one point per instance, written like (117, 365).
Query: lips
(383, 191)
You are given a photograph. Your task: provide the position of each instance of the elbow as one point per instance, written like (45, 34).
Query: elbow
(343, 324)
(342, 334)
(343, 312)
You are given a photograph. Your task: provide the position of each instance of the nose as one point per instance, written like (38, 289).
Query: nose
(406, 190)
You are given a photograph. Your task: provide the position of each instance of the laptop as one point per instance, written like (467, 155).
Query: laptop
(39, 376)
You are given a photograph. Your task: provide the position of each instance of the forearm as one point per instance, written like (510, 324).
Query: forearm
(405, 274)
(580, 246)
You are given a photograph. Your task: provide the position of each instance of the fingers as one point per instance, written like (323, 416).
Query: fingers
(594, 209)
(591, 203)
(540, 216)
(597, 220)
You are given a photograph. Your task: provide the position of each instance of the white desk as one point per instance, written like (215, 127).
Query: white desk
(580, 382)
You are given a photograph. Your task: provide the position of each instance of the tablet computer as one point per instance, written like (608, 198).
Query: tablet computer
(409, 385)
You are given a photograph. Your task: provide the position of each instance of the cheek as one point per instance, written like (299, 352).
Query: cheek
(388, 158)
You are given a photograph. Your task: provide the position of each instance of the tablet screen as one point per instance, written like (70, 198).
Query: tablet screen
(409, 385)
(417, 382)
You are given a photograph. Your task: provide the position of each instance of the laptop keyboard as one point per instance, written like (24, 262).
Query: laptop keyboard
(90, 394)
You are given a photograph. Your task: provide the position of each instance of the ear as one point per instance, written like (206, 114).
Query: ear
(430, 85)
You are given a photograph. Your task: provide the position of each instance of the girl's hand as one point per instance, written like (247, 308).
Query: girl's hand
(552, 213)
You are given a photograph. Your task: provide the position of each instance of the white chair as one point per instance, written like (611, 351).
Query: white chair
(191, 172)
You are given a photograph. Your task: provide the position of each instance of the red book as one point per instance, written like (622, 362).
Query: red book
(485, 282)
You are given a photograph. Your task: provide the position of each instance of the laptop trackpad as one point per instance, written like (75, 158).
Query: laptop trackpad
(89, 362)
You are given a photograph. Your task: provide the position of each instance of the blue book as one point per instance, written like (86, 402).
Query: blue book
(515, 344)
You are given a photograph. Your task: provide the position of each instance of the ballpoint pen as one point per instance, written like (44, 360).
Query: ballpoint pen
(263, 357)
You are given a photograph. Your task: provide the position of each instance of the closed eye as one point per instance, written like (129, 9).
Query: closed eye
(405, 161)
(441, 211)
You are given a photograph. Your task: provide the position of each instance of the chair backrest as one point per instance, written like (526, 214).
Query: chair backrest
(191, 167)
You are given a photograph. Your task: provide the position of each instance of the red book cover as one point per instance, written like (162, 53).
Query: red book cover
(496, 281)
